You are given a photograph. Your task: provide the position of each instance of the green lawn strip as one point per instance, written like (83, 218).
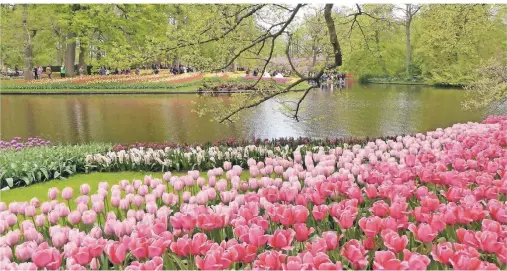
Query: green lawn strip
(40, 190)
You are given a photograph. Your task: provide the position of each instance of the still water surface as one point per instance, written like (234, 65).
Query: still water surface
(360, 110)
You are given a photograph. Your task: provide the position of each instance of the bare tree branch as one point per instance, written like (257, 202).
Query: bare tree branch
(266, 36)
(227, 32)
(300, 101)
(337, 57)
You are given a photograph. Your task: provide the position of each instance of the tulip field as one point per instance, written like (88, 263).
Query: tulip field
(431, 201)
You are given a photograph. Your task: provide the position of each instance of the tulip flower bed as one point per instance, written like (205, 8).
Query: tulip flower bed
(434, 201)
(17, 144)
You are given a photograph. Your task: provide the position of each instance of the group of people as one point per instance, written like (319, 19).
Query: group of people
(103, 70)
(9, 72)
(267, 74)
(181, 69)
(331, 79)
(38, 71)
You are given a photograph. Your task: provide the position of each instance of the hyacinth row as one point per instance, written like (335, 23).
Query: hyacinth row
(434, 201)
(17, 144)
(171, 156)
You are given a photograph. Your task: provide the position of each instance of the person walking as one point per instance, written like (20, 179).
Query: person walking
(330, 82)
(40, 70)
(137, 70)
(48, 71)
(35, 73)
(81, 71)
(63, 71)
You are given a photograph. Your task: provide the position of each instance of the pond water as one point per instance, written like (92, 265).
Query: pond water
(357, 111)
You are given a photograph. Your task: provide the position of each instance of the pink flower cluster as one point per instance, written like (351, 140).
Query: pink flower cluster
(433, 201)
(17, 144)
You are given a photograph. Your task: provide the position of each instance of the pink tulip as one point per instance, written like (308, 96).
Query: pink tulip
(302, 232)
(89, 217)
(116, 252)
(282, 239)
(423, 232)
(332, 239)
(67, 193)
(53, 193)
(47, 257)
(355, 253)
(74, 217)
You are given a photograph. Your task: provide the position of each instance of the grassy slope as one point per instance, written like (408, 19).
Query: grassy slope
(40, 190)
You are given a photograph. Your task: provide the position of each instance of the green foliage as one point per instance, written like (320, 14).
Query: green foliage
(41, 164)
(451, 41)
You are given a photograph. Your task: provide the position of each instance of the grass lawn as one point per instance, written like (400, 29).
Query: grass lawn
(40, 190)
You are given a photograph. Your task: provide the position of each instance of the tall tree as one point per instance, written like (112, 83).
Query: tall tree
(409, 12)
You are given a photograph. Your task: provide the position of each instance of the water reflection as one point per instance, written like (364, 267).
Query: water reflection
(360, 110)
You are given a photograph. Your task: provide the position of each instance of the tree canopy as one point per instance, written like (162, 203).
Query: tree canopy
(441, 44)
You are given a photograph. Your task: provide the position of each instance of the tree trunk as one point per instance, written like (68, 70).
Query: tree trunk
(70, 58)
(409, 47)
(27, 70)
(82, 58)
(234, 64)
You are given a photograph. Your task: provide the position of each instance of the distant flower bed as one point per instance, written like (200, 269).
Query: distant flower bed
(278, 80)
(434, 201)
(167, 81)
(17, 144)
